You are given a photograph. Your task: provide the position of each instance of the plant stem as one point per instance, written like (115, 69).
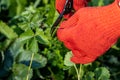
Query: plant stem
(77, 71)
(80, 71)
(27, 78)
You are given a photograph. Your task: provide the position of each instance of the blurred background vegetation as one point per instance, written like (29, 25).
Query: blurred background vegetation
(27, 51)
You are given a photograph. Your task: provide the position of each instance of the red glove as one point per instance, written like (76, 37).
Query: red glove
(76, 5)
(90, 32)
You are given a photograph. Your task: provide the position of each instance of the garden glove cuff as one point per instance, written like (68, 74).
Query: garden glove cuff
(91, 31)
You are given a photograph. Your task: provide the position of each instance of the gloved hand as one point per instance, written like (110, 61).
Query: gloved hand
(76, 5)
(91, 31)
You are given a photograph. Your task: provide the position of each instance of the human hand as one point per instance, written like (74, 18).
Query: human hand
(90, 32)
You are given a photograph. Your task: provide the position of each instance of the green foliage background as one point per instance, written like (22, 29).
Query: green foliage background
(27, 51)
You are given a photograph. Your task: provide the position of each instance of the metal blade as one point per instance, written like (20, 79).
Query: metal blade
(67, 9)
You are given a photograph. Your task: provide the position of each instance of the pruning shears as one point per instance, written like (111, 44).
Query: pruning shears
(67, 9)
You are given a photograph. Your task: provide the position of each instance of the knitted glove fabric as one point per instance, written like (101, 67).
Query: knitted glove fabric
(90, 32)
(76, 5)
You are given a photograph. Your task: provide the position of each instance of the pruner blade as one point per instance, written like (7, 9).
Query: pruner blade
(67, 9)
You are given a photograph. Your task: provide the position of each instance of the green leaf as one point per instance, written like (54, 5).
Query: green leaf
(40, 36)
(6, 3)
(67, 61)
(41, 60)
(51, 12)
(71, 70)
(26, 35)
(38, 60)
(17, 8)
(7, 64)
(113, 60)
(5, 44)
(7, 31)
(17, 47)
(102, 73)
(89, 76)
(58, 75)
(24, 26)
(45, 1)
(20, 72)
(20, 6)
(101, 3)
(34, 46)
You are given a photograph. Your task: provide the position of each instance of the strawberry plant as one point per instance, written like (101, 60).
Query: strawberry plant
(28, 52)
